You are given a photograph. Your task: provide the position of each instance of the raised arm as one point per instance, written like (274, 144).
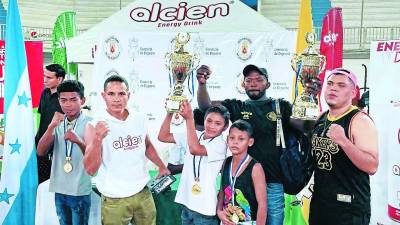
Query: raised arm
(195, 147)
(312, 85)
(203, 99)
(305, 126)
(48, 137)
(93, 138)
(165, 135)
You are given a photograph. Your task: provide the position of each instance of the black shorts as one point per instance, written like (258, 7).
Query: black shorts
(320, 215)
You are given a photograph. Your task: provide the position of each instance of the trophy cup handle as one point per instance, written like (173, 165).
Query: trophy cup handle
(167, 60)
(294, 63)
(322, 63)
(195, 63)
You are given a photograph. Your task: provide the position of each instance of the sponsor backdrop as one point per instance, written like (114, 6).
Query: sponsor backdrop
(140, 58)
(172, 16)
(385, 110)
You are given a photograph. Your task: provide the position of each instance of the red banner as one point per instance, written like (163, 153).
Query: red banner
(332, 40)
(331, 45)
(34, 54)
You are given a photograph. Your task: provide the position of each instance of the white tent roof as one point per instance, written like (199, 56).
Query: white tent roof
(172, 16)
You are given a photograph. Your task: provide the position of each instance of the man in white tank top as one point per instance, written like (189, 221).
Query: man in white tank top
(117, 145)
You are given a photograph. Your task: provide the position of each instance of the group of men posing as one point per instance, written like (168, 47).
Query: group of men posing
(113, 146)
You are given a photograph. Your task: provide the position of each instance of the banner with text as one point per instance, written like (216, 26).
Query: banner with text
(385, 110)
(140, 58)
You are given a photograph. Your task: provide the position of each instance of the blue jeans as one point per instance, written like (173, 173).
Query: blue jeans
(275, 203)
(190, 217)
(72, 210)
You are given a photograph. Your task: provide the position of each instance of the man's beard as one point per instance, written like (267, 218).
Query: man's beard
(260, 94)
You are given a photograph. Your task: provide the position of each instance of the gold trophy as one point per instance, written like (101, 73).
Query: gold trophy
(308, 64)
(180, 64)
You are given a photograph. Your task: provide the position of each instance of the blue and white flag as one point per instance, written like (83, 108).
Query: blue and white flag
(19, 180)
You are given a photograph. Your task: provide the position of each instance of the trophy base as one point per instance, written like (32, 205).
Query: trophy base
(173, 103)
(305, 109)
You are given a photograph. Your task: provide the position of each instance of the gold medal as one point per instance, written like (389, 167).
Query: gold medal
(235, 218)
(69, 126)
(67, 165)
(196, 189)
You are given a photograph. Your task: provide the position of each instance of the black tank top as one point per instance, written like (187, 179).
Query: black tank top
(245, 196)
(339, 184)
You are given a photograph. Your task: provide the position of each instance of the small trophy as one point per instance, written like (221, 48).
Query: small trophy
(159, 185)
(179, 64)
(308, 65)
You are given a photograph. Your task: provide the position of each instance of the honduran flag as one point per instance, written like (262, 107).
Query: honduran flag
(19, 180)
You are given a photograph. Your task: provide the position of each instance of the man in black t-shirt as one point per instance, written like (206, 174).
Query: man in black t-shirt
(54, 74)
(258, 110)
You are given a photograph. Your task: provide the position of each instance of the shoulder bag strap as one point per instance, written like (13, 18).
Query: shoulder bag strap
(280, 138)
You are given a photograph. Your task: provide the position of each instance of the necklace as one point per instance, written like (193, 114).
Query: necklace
(233, 176)
(68, 145)
(326, 126)
(196, 188)
(333, 119)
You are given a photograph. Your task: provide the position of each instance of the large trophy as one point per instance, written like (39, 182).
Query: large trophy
(307, 65)
(180, 64)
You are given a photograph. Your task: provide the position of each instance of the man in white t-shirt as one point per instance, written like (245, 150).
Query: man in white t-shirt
(117, 145)
(197, 190)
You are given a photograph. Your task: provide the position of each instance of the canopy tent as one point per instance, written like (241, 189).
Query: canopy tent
(171, 16)
(227, 35)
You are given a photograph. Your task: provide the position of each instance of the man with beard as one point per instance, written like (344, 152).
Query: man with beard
(345, 146)
(259, 111)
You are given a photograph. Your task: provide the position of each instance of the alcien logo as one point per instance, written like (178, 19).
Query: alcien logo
(182, 12)
(127, 143)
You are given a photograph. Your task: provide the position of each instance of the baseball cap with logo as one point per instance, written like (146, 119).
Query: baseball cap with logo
(346, 72)
(251, 68)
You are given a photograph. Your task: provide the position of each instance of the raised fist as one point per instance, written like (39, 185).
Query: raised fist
(203, 73)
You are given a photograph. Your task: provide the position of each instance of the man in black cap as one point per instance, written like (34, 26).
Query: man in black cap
(259, 111)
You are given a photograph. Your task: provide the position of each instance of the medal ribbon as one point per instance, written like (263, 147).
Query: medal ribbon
(197, 176)
(68, 144)
(232, 179)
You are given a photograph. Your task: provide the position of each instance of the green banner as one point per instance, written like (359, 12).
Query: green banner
(64, 29)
